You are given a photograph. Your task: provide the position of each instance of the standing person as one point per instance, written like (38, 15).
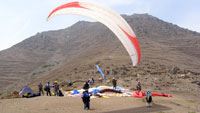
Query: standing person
(56, 88)
(69, 82)
(114, 82)
(86, 99)
(92, 80)
(100, 79)
(40, 88)
(148, 98)
(139, 87)
(86, 86)
(48, 89)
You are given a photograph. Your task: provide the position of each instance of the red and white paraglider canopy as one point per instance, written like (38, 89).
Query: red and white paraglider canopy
(107, 17)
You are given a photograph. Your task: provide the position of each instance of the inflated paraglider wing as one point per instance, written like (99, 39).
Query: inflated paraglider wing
(107, 17)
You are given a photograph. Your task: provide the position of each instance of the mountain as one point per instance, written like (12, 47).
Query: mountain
(51, 54)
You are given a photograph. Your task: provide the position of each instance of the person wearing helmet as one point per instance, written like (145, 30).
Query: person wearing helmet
(56, 88)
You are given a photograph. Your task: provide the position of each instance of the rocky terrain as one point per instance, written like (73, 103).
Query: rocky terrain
(170, 57)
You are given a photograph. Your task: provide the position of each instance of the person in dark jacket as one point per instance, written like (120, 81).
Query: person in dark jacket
(69, 82)
(86, 99)
(139, 87)
(114, 82)
(86, 86)
(40, 88)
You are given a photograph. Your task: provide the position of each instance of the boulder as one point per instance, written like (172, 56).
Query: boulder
(174, 70)
(113, 72)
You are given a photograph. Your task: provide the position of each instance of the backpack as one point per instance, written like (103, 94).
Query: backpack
(60, 93)
(85, 97)
(45, 88)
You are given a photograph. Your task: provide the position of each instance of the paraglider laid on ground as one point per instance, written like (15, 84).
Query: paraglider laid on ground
(109, 18)
(143, 94)
(102, 91)
(28, 92)
(107, 91)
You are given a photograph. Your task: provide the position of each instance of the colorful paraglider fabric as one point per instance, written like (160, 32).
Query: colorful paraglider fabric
(94, 91)
(102, 92)
(161, 94)
(143, 94)
(25, 90)
(137, 94)
(75, 92)
(100, 71)
(109, 18)
(110, 91)
(104, 87)
(119, 88)
(105, 96)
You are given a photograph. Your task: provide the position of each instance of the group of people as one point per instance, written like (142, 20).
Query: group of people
(86, 96)
(47, 88)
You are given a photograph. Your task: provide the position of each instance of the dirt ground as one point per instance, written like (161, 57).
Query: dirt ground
(66, 104)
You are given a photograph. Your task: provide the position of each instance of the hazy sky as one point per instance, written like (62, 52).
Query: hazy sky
(21, 19)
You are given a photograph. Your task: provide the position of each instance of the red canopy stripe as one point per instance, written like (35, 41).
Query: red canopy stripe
(68, 5)
(135, 43)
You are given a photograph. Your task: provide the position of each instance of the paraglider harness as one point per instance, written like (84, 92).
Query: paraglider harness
(47, 87)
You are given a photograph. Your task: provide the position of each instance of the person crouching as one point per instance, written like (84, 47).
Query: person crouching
(86, 99)
(148, 98)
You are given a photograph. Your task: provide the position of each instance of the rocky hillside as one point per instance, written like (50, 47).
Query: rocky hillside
(51, 54)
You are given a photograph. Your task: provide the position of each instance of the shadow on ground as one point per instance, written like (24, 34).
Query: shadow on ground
(154, 108)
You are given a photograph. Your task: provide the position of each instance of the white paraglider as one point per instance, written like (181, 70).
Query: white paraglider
(107, 17)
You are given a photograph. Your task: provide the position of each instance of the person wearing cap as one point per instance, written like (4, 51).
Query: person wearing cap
(56, 88)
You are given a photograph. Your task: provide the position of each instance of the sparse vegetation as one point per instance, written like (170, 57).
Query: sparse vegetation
(48, 65)
(160, 112)
(37, 73)
(153, 71)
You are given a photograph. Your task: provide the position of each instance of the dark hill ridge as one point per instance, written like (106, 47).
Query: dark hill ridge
(40, 54)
